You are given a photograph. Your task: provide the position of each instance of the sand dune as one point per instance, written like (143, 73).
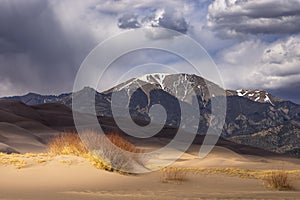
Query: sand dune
(69, 177)
(223, 157)
(41, 176)
(19, 109)
(26, 128)
(7, 149)
(20, 139)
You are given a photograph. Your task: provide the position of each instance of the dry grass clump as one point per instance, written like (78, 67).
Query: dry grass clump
(112, 156)
(71, 144)
(173, 174)
(20, 161)
(13, 160)
(67, 144)
(113, 150)
(236, 172)
(278, 180)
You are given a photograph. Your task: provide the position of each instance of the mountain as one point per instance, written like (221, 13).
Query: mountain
(35, 99)
(180, 85)
(254, 117)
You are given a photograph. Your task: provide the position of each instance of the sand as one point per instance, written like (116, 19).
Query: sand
(70, 177)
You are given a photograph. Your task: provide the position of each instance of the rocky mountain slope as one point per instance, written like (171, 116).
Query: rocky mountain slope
(254, 117)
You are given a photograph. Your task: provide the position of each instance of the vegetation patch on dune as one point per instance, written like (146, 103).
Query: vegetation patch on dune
(12, 160)
(276, 179)
(20, 161)
(67, 144)
(230, 171)
(172, 175)
(112, 150)
(110, 156)
(279, 180)
(102, 154)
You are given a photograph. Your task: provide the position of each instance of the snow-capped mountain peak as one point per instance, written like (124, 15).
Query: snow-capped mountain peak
(183, 85)
(255, 95)
(156, 78)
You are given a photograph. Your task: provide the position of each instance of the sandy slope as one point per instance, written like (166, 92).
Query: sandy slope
(67, 177)
(26, 128)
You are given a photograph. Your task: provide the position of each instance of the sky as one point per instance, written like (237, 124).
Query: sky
(255, 44)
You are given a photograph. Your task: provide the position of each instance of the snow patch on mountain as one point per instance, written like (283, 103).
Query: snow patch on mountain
(255, 95)
(156, 78)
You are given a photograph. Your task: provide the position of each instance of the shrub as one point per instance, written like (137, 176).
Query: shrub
(67, 144)
(97, 148)
(279, 180)
(117, 157)
(173, 174)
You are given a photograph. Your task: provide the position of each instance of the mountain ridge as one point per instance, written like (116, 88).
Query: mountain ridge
(251, 114)
(33, 98)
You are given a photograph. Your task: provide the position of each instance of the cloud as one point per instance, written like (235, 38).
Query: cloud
(42, 43)
(235, 17)
(173, 20)
(118, 7)
(166, 18)
(283, 57)
(256, 64)
(129, 21)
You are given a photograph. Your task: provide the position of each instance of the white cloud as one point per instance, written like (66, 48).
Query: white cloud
(166, 17)
(236, 17)
(257, 64)
(121, 6)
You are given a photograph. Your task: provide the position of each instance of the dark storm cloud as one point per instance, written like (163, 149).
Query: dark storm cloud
(254, 17)
(43, 42)
(36, 52)
(166, 18)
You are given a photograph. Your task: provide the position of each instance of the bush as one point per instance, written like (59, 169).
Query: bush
(173, 174)
(97, 148)
(117, 154)
(279, 180)
(67, 144)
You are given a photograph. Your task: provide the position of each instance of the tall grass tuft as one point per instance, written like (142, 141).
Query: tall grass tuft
(173, 174)
(278, 180)
(113, 150)
(67, 144)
